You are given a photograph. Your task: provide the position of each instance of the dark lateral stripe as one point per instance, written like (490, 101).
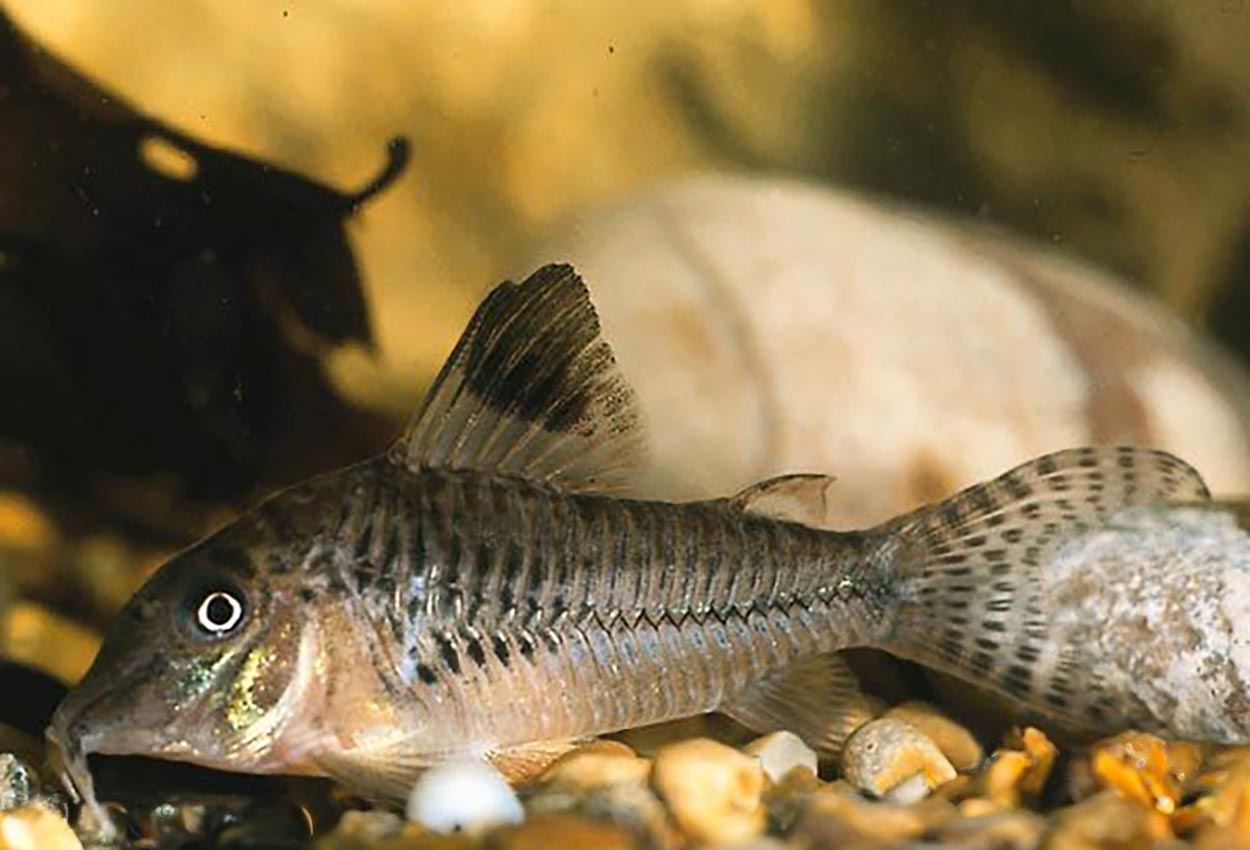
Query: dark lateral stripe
(447, 652)
(616, 567)
(473, 648)
(514, 562)
(451, 569)
(500, 646)
(394, 544)
(344, 516)
(417, 546)
(364, 542)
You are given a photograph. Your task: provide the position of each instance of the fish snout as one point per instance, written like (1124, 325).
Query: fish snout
(97, 715)
(69, 744)
(61, 752)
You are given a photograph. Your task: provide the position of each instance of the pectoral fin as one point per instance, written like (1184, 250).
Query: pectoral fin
(817, 698)
(381, 775)
(523, 763)
(381, 764)
(533, 391)
(387, 772)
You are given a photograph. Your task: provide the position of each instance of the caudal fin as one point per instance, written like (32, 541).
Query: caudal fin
(973, 571)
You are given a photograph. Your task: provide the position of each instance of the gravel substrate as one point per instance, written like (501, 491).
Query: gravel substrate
(911, 779)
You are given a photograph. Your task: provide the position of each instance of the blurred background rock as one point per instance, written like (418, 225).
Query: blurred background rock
(1117, 133)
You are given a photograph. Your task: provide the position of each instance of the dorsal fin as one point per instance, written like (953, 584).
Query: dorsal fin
(801, 498)
(531, 390)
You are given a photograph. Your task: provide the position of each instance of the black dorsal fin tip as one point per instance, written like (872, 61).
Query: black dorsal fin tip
(531, 390)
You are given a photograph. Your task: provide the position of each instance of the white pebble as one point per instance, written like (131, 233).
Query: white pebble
(908, 791)
(780, 753)
(463, 796)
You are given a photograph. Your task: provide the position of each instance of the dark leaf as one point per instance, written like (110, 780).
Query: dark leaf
(164, 304)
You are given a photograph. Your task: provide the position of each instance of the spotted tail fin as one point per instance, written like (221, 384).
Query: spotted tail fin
(973, 571)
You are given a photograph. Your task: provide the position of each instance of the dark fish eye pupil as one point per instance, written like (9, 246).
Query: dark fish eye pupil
(219, 612)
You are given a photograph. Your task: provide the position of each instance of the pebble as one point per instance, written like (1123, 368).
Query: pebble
(599, 764)
(787, 800)
(36, 828)
(764, 842)
(270, 824)
(780, 753)
(369, 827)
(1140, 768)
(838, 816)
(893, 760)
(636, 807)
(366, 830)
(18, 782)
(604, 781)
(1225, 807)
(1109, 821)
(566, 832)
(411, 837)
(909, 790)
(1016, 830)
(713, 792)
(463, 796)
(956, 742)
(1020, 769)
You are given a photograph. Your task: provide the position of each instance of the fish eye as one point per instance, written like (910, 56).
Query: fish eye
(219, 612)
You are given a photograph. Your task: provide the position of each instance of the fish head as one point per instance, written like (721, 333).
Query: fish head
(204, 664)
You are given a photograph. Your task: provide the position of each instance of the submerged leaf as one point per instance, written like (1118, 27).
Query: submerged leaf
(164, 303)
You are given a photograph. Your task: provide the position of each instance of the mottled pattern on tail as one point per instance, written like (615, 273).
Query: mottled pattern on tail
(973, 573)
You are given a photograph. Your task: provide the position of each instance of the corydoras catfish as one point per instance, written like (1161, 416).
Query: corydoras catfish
(479, 591)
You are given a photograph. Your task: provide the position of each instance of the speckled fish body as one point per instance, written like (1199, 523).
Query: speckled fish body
(479, 590)
(406, 619)
(507, 614)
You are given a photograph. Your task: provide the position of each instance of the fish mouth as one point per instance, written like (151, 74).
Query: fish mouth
(67, 755)
(79, 727)
(68, 762)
